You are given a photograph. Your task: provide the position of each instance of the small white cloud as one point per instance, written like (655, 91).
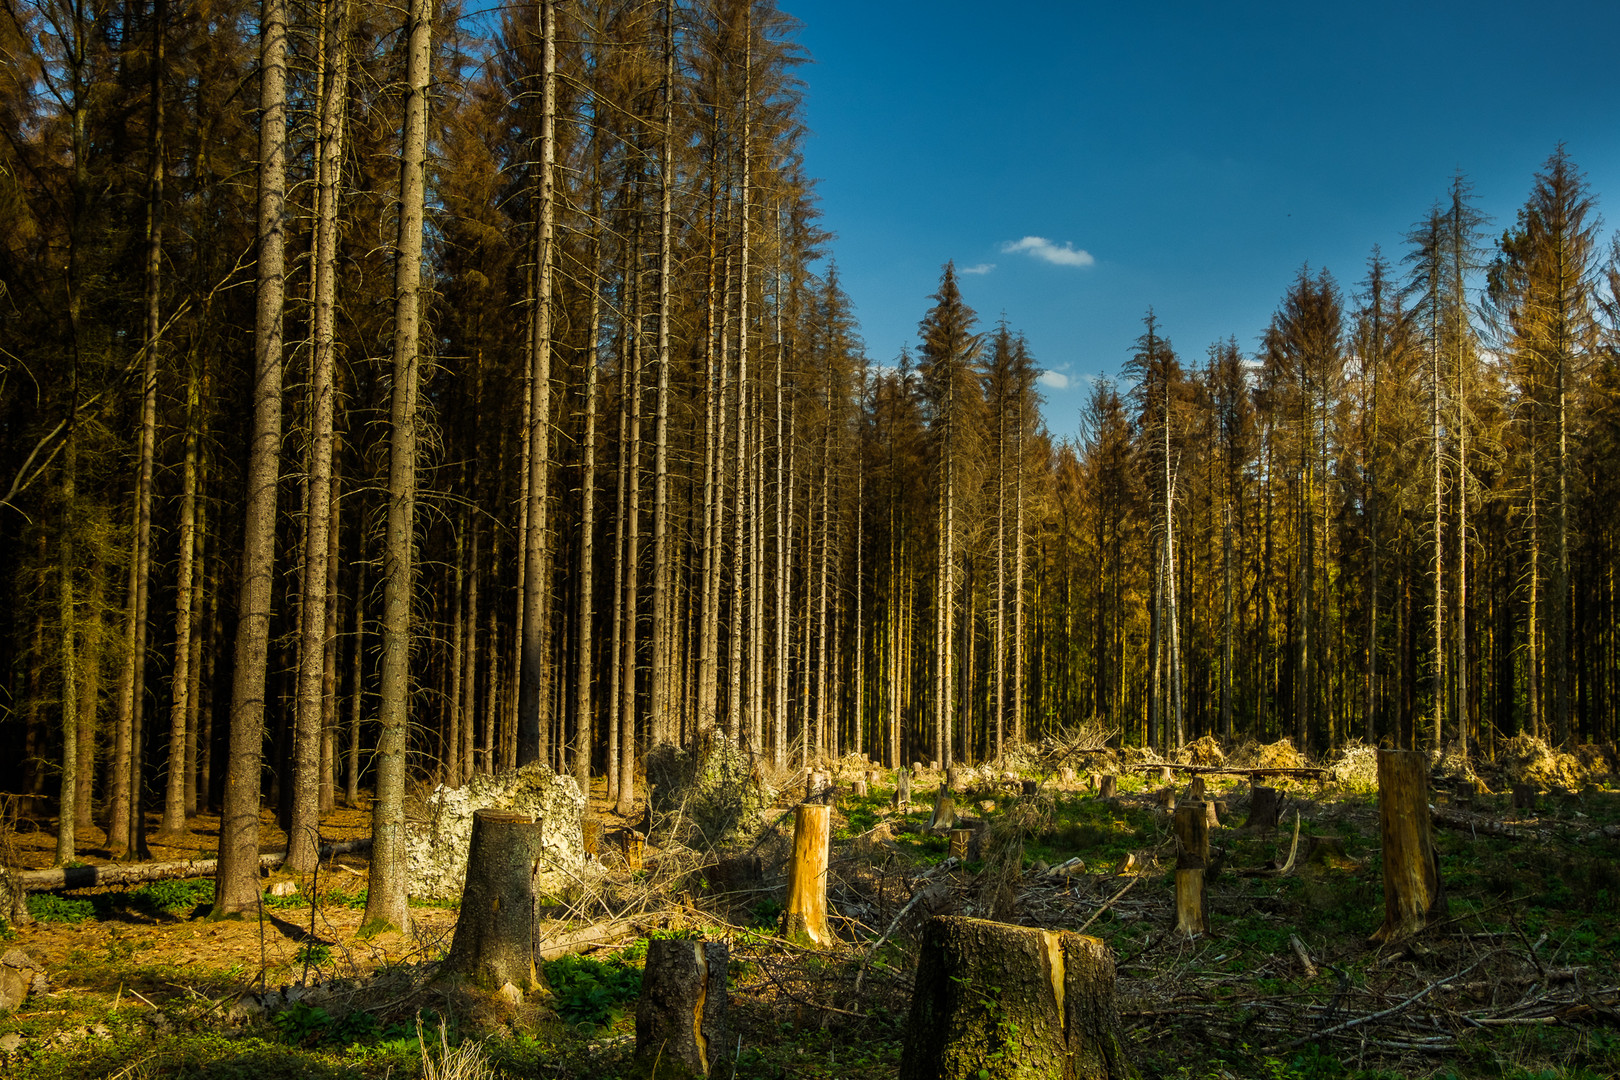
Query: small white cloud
(1042, 248)
(981, 268)
(1053, 380)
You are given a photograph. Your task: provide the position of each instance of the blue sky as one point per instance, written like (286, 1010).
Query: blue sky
(1187, 156)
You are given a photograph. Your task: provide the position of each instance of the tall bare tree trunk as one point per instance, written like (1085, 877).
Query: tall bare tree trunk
(303, 833)
(627, 702)
(533, 728)
(386, 885)
(659, 720)
(237, 877)
(187, 591)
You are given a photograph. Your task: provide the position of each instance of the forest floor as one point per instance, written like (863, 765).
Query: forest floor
(1520, 979)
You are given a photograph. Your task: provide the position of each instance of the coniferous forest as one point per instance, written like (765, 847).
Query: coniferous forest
(392, 393)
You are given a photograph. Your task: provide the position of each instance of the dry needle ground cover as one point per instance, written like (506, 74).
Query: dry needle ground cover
(1520, 979)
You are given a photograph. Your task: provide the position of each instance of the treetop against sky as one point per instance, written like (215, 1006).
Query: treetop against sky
(1081, 162)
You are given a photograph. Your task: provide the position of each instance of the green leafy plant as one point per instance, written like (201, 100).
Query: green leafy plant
(173, 897)
(314, 954)
(48, 907)
(591, 993)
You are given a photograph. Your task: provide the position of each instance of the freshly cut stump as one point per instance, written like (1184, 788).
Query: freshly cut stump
(1192, 859)
(1412, 889)
(944, 810)
(1008, 1002)
(494, 942)
(806, 914)
(681, 1016)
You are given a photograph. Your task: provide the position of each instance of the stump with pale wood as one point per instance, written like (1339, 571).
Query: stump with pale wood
(1412, 889)
(944, 810)
(1011, 1002)
(1195, 789)
(494, 942)
(1192, 860)
(806, 913)
(681, 1015)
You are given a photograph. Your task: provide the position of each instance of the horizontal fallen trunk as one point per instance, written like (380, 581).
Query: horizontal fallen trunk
(58, 878)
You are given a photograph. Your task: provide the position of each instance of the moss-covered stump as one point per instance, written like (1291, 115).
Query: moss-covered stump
(1002, 1002)
(494, 942)
(681, 1015)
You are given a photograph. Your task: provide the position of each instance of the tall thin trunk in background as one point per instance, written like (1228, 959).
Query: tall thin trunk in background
(627, 702)
(616, 672)
(303, 833)
(186, 601)
(583, 702)
(533, 728)
(237, 877)
(67, 625)
(351, 764)
(386, 887)
(659, 722)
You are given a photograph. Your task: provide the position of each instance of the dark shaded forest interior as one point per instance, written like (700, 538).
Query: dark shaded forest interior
(392, 397)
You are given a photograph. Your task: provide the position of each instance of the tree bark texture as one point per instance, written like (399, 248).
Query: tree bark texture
(495, 932)
(1412, 890)
(1001, 1002)
(681, 1016)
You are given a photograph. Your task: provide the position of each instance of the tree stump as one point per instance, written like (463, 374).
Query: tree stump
(494, 940)
(1466, 791)
(858, 786)
(633, 846)
(815, 785)
(1029, 789)
(1192, 859)
(1195, 789)
(1212, 809)
(1412, 890)
(1264, 808)
(806, 914)
(902, 788)
(1066, 775)
(1166, 797)
(953, 778)
(960, 839)
(1011, 1002)
(944, 810)
(1166, 775)
(1524, 797)
(590, 836)
(681, 1015)
(1107, 786)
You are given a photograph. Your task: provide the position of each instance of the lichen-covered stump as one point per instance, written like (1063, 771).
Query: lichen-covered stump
(1412, 890)
(1012, 1003)
(681, 1015)
(494, 942)
(806, 914)
(1192, 859)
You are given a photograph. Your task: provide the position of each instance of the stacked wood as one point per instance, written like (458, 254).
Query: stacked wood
(1010, 1002)
(1192, 860)
(806, 914)
(681, 1015)
(1412, 888)
(494, 941)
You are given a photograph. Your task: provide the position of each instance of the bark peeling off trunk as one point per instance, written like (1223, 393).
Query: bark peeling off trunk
(681, 1015)
(436, 848)
(1004, 1002)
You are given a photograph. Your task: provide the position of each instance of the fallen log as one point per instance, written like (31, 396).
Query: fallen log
(58, 878)
(1476, 823)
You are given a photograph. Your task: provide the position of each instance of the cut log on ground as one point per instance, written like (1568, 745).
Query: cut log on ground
(1264, 807)
(806, 914)
(1192, 859)
(495, 931)
(1011, 1002)
(681, 1015)
(1107, 786)
(1412, 890)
